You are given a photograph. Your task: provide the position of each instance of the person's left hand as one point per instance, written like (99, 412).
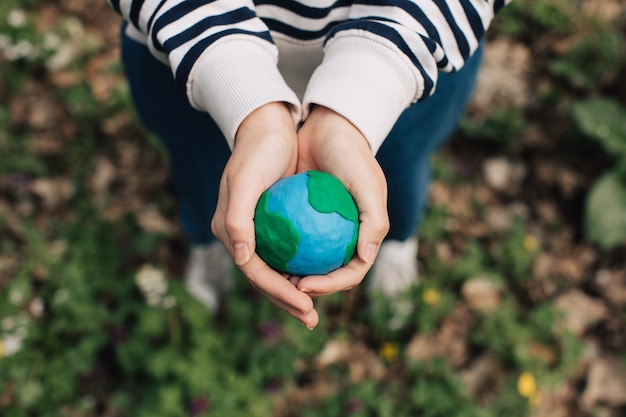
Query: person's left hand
(264, 151)
(330, 143)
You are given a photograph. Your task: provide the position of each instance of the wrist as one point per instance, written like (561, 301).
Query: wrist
(267, 138)
(324, 124)
(234, 77)
(269, 119)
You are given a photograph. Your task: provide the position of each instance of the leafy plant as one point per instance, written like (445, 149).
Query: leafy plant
(545, 15)
(500, 125)
(604, 120)
(592, 61)
(79, 335)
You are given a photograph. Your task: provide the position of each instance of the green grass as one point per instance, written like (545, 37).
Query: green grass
(78, 336)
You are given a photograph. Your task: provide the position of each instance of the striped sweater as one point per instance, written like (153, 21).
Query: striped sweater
(368, 60)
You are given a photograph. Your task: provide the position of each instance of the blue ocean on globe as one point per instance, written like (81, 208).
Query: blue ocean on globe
(322, 241)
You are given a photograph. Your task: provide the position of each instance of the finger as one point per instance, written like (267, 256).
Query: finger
(280, 291)
(239, 219)
(342, 279)
(373, 218)
(310, 320)
(294, 279)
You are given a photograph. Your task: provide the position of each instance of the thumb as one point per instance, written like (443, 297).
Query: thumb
(373, 222)
(239, 224)
(371, 234)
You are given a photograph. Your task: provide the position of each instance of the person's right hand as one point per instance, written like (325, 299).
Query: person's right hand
(329, 142)
(265, 150)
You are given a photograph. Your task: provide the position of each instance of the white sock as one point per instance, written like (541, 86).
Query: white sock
(395, 268)
(393, 273)
(209, 274)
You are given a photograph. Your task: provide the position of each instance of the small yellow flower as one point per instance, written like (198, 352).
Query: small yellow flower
(527, 387)
(1, 349)
(530, 243)
(389, 351)
(431, 296)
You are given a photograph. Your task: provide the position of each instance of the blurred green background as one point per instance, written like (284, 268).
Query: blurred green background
(521, 310)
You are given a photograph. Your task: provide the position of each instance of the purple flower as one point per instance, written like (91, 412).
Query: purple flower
(119, 335)
(353, 405)
(19, 182)
(274, 385)
(270, 331)
(199, 406)
(461, 167)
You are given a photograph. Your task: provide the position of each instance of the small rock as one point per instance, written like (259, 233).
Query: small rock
(334, 351)
(555, 402)
(102, 177)
(482, 378)
(482, 294)
(606, 384)
(581, 311)
(362, 363)
(422, 348)
(603, 9)
(53, 192)
(444, 251)
(46, 144)
(504, 77)
(591, 352)
(571, 267)
(152, 221)
(544, 275)
(12, 220)
(500, 173)
(500, 218)
(453, 335)
(548, 211)
(612, 285)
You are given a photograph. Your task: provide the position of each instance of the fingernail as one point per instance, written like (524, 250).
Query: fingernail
(304, 290)
(241, 254)
(370, 252)
(307, 326)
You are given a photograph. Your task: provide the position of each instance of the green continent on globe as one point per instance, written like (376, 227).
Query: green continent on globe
(328, 195)
(277, 239)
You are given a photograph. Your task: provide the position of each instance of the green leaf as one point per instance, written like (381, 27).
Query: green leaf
(161, 361)
(572, 72)
(171, 400)
(605, 214)
(604, 120)
(29, 393)
(152, 322)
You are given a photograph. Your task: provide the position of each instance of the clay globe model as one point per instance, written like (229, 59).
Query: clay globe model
(306, 224)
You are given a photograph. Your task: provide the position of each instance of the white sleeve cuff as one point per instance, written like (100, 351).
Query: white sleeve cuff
(367, 82)
(235, 77)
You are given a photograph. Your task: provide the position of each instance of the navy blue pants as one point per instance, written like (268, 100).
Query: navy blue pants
(198, 151)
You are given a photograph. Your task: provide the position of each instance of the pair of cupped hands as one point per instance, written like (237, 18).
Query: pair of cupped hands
(267, 148)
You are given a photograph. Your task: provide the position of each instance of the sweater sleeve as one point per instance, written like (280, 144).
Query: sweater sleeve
(220, 52)
(387, 54)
